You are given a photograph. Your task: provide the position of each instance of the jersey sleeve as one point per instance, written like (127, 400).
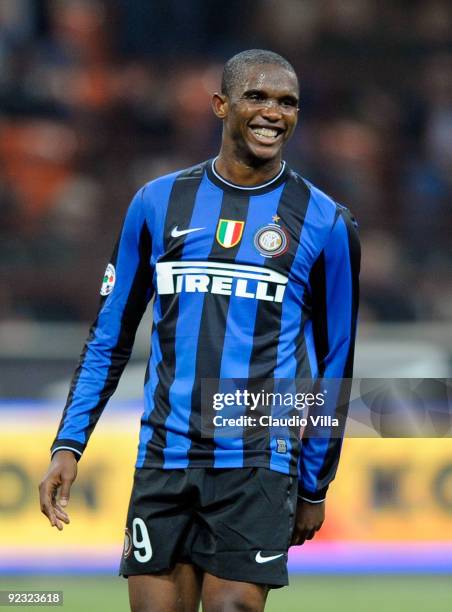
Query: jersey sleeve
(125, 293)
(334, 282)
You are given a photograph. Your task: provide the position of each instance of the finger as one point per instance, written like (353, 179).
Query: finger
(62, 516)
(305, 534)
(54, 512)
(294, 538)
(299, 536)
(46, 508)
(299, 540)
(46, 503)
(65, 491)
(55, 521)
(56, 506)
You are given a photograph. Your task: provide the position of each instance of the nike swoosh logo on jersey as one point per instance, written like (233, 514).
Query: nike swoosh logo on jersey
(175, 233)
(260, 559)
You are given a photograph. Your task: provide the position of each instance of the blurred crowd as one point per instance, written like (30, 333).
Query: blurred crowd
(99, 96)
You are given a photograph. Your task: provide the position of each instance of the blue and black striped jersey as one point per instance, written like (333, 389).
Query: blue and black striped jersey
(249, 283)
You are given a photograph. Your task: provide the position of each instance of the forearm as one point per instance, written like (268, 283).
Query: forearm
(94, 381)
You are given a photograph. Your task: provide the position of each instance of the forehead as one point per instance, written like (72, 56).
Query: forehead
(271, 78)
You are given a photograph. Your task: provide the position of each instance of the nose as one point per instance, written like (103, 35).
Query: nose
(271, 109)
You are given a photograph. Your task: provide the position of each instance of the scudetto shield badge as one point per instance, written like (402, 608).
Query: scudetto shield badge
(271, 240)
(229, 232)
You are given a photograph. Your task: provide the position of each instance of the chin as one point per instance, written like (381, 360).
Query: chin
(262, 155)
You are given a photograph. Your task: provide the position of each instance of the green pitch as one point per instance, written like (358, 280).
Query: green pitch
(319, 593)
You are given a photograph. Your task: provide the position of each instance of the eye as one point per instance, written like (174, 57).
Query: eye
(254, 96)
(288, 103)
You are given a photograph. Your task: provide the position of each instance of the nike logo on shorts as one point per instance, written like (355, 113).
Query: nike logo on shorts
(175, 233)
(260, 559)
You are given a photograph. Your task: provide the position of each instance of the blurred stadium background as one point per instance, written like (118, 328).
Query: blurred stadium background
(97, 97)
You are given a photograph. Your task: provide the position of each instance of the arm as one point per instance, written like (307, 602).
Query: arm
(124, 297)
(334, 281)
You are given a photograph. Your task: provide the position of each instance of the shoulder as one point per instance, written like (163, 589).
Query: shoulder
(162, 184)
(326, 208)
(152, 198)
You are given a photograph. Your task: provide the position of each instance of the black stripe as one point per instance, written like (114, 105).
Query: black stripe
(355, 264)
(212, 331)
(317, 282)
(291, 209)
(319, 314)
(179, 212)
(303, 376)
(147, 373)
(303, 369)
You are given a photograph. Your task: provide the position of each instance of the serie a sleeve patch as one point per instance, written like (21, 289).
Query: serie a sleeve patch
(108, 281)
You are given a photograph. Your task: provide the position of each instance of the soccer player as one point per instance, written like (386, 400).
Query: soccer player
(254, 274)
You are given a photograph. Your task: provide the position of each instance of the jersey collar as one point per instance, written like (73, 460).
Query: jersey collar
(221, 182)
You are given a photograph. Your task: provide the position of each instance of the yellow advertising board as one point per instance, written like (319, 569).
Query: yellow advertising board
(99, 496)
(392, 490)
(385, 490)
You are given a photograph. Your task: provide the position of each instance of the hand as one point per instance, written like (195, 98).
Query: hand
(309, 518)
(61, 473)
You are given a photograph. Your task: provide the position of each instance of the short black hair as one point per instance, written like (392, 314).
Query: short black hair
(234, 67)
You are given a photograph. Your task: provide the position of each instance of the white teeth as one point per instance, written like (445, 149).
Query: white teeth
(266, 132)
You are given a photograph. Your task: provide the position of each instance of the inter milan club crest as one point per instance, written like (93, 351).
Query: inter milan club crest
(271, 240)
(229, 232)
(108, 282)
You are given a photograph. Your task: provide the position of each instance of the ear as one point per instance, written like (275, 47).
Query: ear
(220, 105)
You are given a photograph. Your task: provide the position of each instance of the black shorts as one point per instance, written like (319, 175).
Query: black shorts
(233, 523)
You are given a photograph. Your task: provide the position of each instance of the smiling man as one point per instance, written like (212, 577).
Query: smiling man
(255, 276)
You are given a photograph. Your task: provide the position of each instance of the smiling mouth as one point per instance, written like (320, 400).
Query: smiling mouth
(266, 135)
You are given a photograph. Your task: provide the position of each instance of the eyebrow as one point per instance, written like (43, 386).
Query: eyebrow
(261, 92)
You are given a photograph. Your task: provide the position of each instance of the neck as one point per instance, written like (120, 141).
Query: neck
(243, 172)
